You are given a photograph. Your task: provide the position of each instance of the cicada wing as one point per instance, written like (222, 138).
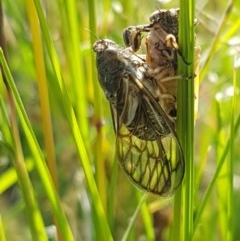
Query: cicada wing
(154, 165)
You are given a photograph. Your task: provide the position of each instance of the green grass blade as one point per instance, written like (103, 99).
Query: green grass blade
(2, 234)
(216, 39)
(230, 211)
(185, 106)
(98, 114)
(133, 218)
(9, 177)
(72, 38)
(210, 187)
(43, 92)
(147, 219)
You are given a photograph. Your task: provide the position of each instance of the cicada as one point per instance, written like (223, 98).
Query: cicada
(161, 53)
(147, 145)
(162, 50)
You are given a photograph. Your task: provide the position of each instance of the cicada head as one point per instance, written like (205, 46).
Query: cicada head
(168, 19)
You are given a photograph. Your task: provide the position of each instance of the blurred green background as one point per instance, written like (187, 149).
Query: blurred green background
(82, 147)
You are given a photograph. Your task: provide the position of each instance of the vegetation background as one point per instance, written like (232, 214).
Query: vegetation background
(63, 119)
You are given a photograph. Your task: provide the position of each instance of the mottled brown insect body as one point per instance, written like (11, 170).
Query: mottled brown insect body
(162, 50)
(118, 71)
(147, 145)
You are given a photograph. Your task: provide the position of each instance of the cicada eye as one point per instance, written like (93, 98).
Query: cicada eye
(136, 41)
(132, 38)
(127, 37)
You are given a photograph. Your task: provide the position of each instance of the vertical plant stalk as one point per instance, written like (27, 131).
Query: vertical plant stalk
(185, 107)
(76, 67)
(71, 37)
(2, 234)
(146, 217)
(133, 218)
(236, 74)
(43, 91)
(98, 116)
(43, 97)
(176, 227)
(35, 220)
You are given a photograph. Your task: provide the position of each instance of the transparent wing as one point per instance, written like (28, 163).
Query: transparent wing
(153, 164)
